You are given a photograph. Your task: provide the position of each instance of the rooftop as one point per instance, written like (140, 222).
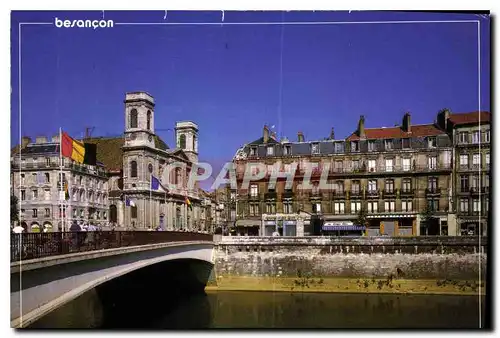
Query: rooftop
(470, 118)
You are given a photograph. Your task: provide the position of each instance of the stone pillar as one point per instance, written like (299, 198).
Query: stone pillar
(120, 213)
(381, 227)
(396, 228)
(300, 227)
(415, 230)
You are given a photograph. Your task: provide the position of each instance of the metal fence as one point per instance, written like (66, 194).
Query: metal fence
(26, 246)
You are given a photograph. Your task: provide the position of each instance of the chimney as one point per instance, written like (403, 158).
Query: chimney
(41, 139)
(25, 141)
(442, 118)
(361, 127)
(266, 134)
(332, 134)
(300, 136)
(407, 122)
(55, 138)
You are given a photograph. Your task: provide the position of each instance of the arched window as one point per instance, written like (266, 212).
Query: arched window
(182, 141)
(133, 169)
(133, 118)
(113, 213)
(194, 143)
(133, 212)
(150, 171)
(148, 120)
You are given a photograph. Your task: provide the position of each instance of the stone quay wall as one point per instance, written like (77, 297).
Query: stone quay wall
(430, 258)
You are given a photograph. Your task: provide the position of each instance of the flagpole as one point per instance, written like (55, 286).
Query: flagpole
(61, 180)
(150, 202)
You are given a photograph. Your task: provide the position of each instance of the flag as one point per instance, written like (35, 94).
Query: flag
(66, 191)
(129, 202)
(188, 202)
(79, 152)
(156, 184)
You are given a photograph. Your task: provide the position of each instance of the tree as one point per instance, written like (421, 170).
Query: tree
(14, 213)
(362, 220)
(427, 216)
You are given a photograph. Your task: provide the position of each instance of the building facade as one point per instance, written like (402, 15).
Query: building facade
(39, 178)
(400, 178)
(128, 163)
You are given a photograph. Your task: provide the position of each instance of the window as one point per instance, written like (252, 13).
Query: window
(339, 147)
(133, 212)
(406, 186)
(82, 196)
(487, 204)
(75, 195)
(22, 179)
(253, 151)
(406, 164)
(389, 186)
(371, 145)
(47, 178)
(47, 161)
(406, 143)
(354, 146)
(464, 160)
(338, 186)
(475, 137)
(254, 209)
(355, 164)
(82, 213)
(338, 166)
(355, 187)
(432, 161)
(270, 150)
(487, 136)
(372, 164)
(182, 141)
(287, 150)
(476, 205)
(47, 194)
(23, 195)
(406, 205)
(372, 185)
(133, 118)
(287, 207)
(47, 212)
(372, 207)
(463, 137)
(432, 183)
(388, 144)
(148, 117)
(34, 177)
(389, 164)
(104, 215)
(487, 159)
(431, 142)
(133, 169)
(339, 208)
(389, 206)
(35, 212)
(80, 179)
(315, 148)
(22, 212)
(270, 208)
(195, 148)
(316, 207)
(254, 190)
(34, 194)
(476, 159)
(486, 181)
(355, 207)
(475, 182)
(433, 204)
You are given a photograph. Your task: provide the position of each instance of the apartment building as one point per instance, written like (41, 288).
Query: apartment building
(396, 175)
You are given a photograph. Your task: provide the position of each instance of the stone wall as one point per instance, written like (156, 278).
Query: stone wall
(455, 258)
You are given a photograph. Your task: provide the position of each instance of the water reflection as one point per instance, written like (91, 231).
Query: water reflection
(276, 310)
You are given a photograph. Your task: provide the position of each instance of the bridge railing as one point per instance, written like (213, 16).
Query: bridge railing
(26, 246)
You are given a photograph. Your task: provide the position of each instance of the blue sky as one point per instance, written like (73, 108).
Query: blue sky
(232, 79)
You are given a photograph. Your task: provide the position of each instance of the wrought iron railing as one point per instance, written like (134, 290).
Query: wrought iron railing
(26, 246)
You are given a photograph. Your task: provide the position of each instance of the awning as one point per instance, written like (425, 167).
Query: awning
(343, 227)
(248, 223)
(338, 223)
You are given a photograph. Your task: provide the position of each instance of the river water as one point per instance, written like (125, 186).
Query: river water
(280, 310)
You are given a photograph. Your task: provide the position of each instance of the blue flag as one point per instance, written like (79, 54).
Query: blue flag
(155, 183)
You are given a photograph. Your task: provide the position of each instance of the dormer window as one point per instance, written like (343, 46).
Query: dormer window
(371, 145)
(270, 150)
(388, 145)
(432, 142)
(315, 148)
(406, 143)
(287, 150)
(253, 151)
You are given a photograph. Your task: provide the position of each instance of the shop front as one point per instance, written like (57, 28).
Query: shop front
(340, 228)
(281, 225)
(246, 227)
(391, 225)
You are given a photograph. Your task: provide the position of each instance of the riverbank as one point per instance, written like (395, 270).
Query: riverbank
(347, 285)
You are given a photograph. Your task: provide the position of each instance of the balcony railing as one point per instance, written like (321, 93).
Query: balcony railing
(356, 193)
(270, 195)
(389, 193)
(433, 191)
(287, 194)
(372, 193)
(406, 192)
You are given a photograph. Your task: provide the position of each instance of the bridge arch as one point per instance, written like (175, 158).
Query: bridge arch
(47, 286)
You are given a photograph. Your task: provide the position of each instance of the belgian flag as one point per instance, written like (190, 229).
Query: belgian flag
(80, 152)
(188, 202)
(66, 191)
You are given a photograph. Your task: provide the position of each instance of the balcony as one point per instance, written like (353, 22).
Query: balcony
(372, 193)
(356, 193)
(407, 192)
(389, 193)
(287, 194)
(475, 190)
(432, 191)
(339, 194)
(485, 190)
(253, 197)
(315, 195)
(270, 195)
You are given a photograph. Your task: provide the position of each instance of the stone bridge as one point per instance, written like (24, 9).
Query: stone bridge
(63, 266)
